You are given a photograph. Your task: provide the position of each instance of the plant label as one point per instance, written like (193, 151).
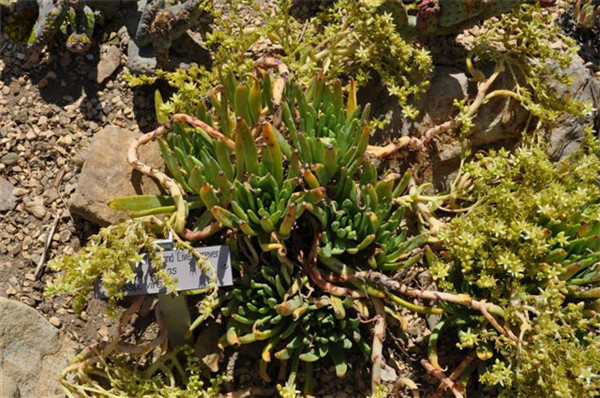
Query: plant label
(183, 266)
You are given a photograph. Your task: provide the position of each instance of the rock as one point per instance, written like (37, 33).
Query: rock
(207, 347)
(54, 321)
(35, 207)
(43, 83)
(18, 192)
(32, 353)
(110, 60)
(566, 137)
(8, 387)
(107, 175)
(9, 159)
(8, 201)
(499, 122)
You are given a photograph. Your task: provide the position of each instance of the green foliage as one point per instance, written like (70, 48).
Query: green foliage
(261, 178)
(560, 356)
(351, 37)
(113, 254)
(533, 220)
(530, 244)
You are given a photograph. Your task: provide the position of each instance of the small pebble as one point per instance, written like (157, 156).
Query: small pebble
(9, 159)
(54, 321)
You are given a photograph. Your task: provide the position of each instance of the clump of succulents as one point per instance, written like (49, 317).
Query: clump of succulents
(586, 13)
(530, 244)
(297, 325)
(282, 172)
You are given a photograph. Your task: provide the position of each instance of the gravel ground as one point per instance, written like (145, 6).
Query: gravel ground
(48, 115)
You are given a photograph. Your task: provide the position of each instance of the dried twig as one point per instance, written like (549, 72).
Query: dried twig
(47, 241)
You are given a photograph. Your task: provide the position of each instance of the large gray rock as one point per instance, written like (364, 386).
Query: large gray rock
(499, 122)
(569, 131)
(8, 201)
(110, 60)
(33, 353)
(107, 175)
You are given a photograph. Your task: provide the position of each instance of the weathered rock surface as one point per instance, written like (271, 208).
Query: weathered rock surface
(566, 137)
(8, 201)
(499, 122)
(110, 60)
(107, 175)
(32, 353)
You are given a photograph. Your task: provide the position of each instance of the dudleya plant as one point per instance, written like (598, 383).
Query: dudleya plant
(531, 245)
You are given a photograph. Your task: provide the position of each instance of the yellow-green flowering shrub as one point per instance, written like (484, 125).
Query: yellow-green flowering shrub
(112, 254)
(531, 245)
(358, 38)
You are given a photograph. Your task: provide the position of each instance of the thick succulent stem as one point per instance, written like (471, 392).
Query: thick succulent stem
(432, 370)
(456, 373)
(377, 347)
(169, 184)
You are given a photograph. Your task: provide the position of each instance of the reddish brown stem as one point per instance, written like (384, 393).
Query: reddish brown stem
(432, 370)
(456, 373)
(310, 266)
(214, 133)
(203, 233)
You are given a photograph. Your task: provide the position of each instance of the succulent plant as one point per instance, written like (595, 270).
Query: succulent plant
(586, 13)
(442, 17)
(283, 172)
(296, 325)
(161, 22)
(73, 17)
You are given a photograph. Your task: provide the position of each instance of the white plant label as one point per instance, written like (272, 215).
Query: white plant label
(183, 266)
